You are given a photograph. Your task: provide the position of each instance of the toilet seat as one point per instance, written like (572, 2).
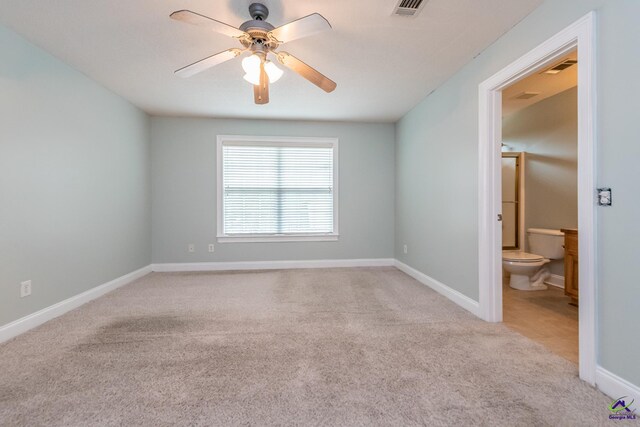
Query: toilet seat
(518, 256)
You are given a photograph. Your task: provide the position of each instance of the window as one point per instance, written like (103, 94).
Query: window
(277, 189)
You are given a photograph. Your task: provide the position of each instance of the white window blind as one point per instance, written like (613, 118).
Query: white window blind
(277, 188)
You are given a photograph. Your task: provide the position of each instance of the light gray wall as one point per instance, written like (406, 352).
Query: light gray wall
(183, 157)
(437, 166)
(548, 132)
(74, 181)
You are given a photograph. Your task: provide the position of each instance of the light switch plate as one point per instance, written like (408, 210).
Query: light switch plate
(604, 197)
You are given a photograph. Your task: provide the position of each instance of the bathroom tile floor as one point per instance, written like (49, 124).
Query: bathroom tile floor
(545, 317)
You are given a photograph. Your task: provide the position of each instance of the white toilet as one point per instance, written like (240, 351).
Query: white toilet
(528, 270)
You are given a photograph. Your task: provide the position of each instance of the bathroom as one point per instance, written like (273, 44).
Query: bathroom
(540, 207)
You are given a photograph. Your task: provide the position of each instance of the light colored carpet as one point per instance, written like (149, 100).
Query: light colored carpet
(350, 347)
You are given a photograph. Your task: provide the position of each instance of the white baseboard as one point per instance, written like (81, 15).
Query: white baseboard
(23, 324)
(555, 280)
(614, 386)
(455, 296)
(271, 265)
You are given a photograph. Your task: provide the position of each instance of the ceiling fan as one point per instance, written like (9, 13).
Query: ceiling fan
(261, 39)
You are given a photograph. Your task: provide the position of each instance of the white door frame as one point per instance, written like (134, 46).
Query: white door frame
(580, 34)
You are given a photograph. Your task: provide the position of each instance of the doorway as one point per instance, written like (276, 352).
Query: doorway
(580, 36)
(539, 201)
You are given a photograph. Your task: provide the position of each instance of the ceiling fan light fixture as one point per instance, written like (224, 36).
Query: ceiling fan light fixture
(251, 66)
(273, 72)
(254, 79)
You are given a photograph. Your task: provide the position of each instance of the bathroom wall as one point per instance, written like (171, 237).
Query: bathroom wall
(74, 181)
(548, 132)
(437, 169)
(183, 153)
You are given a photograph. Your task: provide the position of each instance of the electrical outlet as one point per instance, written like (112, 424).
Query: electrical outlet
(192, 247)
(211, 247)
(25, 289)
(405, 249)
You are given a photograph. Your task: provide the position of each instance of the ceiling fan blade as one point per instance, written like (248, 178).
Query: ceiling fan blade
(303, 27)
(261, 91)
(194, 18)
(206, 63)
(306, 71)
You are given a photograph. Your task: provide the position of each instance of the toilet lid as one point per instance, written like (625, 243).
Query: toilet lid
(521, 256)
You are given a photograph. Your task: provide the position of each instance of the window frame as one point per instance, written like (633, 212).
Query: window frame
(271, 141)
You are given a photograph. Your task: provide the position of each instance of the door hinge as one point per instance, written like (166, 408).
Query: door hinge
(499, 217)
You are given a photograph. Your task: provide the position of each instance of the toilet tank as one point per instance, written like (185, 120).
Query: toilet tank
(546, 242)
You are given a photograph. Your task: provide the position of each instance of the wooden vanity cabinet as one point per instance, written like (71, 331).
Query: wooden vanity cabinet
(571, 264)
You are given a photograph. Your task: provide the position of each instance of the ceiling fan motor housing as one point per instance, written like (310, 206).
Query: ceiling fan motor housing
(256, 25)
(258, 28)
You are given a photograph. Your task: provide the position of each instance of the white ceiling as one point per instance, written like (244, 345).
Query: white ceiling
(546, 85)
(384, 65)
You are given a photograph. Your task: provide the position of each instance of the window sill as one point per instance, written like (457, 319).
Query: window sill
(281, 239)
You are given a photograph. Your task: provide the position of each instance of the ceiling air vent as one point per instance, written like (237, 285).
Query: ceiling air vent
(560, 67)
(409, 7)
(526, 95)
